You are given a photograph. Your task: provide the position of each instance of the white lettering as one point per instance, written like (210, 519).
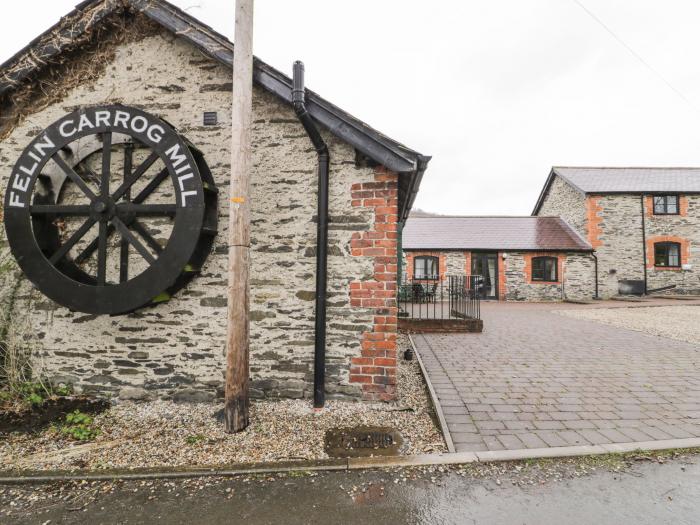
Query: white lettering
(156, 137)
(84, 123)
(21, 184)
(176, 157)
(186, 194)
(14, 200)
(62, 129)
(102, 118)
(183, 178)
(34, 156)
(41, 146)
(121, 118)
(29, 172)
(139, 128)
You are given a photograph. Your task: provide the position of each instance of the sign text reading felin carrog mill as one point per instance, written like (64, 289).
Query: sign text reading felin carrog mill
(101, 172)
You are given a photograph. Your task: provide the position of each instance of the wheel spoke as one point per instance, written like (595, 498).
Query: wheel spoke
(77, 235)
(65, 210)
(106, 163)
(128, 167)
(123, 243)
(123, 260)
(102, 255)
(143, 232)
(147, 210)
(90, 248)
(150, 188)
(72, 175)
(135, 176)
(126, 233)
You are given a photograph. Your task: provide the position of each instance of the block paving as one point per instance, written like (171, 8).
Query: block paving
(536, 379)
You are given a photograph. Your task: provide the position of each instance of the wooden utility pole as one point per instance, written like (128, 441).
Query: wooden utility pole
(238, 329)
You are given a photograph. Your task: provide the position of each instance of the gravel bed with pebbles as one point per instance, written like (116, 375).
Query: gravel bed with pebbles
(166, 434)
(681, 323)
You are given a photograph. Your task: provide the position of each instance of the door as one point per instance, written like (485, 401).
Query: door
(486, 265)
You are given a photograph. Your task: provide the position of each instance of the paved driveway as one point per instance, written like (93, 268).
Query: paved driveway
(537, 379)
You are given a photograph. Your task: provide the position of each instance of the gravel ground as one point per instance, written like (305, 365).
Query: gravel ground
(681, 323)
(165, 434)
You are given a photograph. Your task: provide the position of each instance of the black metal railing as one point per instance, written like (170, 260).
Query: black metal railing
(453, 297)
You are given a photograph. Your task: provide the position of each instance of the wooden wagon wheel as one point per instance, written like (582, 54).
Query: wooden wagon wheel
(107, 172)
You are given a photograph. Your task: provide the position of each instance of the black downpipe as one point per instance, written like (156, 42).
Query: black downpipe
(595, 259)
(644, 247)
(299, 103)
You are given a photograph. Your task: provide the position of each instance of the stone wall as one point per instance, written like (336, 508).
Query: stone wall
(683, 228)
(562, 200)
(514, 274)
(575, 277)
(615, 231)
(579, 276)
(613, 226)
(456, 263)
(178, 347)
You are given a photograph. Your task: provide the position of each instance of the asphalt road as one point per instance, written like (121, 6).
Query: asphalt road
(646, 492)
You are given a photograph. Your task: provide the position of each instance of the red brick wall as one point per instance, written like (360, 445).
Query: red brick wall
(501, 265)
(375, 368)
(593, 208)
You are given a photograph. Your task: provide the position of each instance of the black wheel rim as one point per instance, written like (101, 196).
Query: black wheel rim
(53, 264)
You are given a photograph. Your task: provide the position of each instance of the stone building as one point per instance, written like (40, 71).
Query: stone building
(151, 57)
(644, 224)
(519, 258)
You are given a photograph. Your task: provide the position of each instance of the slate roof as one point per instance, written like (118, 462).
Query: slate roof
(625, 180)
(370, 142)
(491, 233)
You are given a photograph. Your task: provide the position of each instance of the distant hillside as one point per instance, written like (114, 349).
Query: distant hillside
(417, 212)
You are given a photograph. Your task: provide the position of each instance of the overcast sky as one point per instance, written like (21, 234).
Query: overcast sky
(496, 91)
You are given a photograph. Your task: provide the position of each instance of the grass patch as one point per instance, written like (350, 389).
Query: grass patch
(195, 439)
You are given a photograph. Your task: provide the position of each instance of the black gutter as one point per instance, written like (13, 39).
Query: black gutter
(644, 245)
(299, 103)
(414, 185)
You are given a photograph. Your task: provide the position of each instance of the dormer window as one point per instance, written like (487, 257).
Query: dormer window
(665, 204)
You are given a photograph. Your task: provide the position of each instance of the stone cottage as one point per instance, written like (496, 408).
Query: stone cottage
(644, 224)
(519, 258)
(129, 75)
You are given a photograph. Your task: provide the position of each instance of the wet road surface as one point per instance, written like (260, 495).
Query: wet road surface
(645, 492)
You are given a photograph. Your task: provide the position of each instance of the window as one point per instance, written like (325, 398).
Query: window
(425, 267)
(667, 254)
(545, 269)
(665, 204)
